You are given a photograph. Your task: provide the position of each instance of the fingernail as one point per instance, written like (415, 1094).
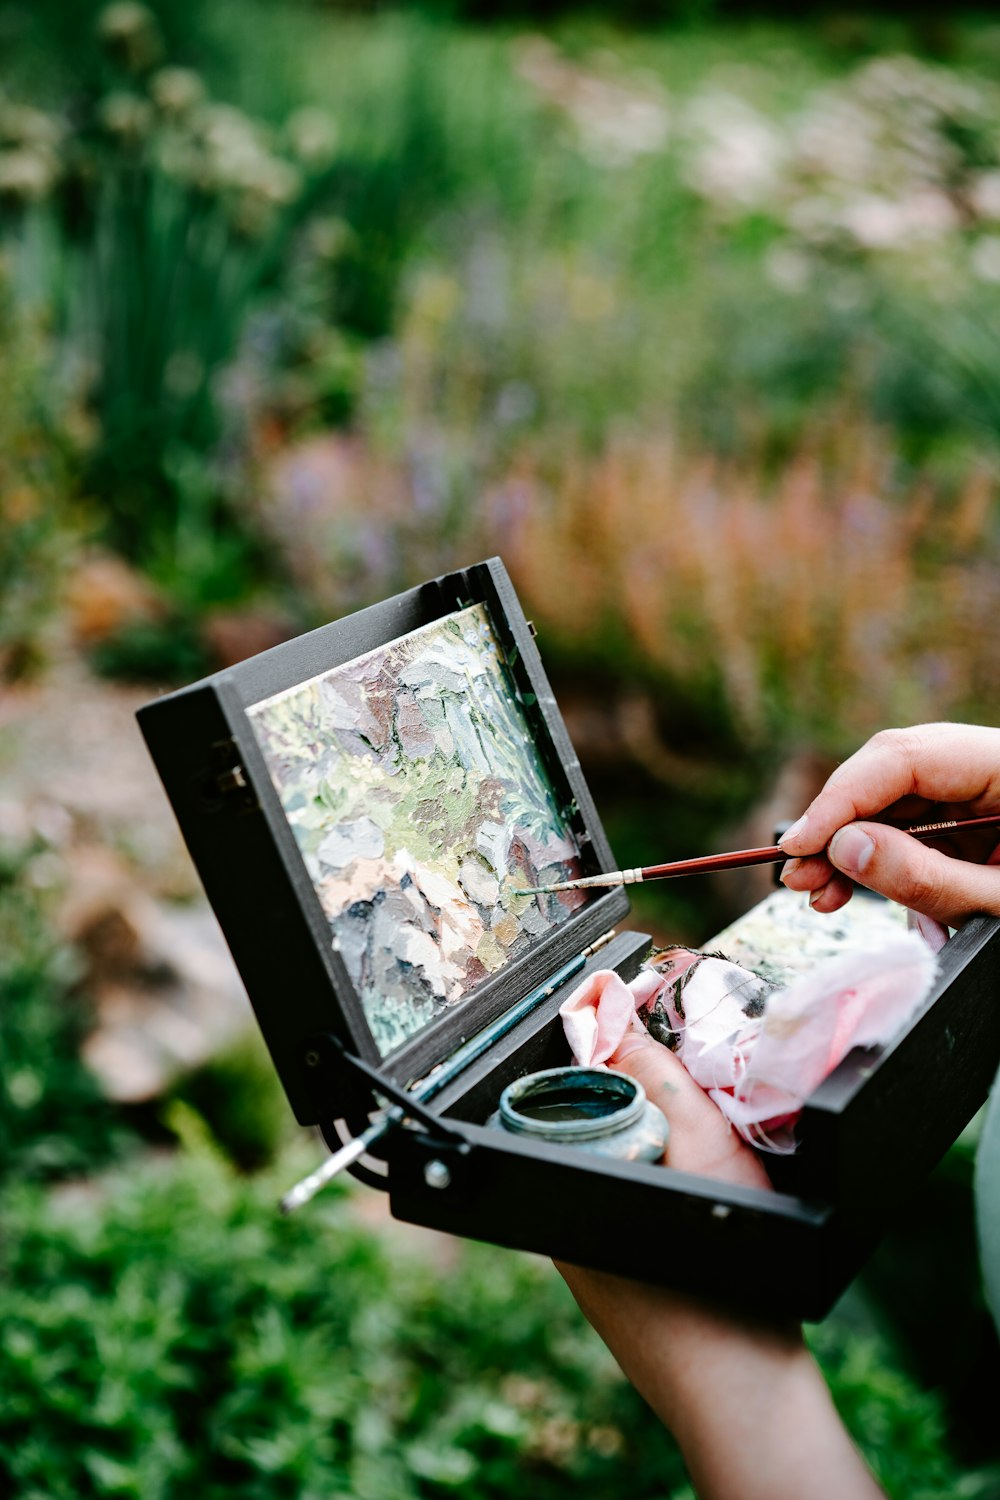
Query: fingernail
(851, 850)
(789, 867)
(815, 895)
(794, 831)
(933, 934)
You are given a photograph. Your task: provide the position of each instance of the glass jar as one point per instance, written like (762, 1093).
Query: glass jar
(594, 1108)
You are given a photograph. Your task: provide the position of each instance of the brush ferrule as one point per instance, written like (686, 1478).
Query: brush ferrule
(631, 877)
(616, 877)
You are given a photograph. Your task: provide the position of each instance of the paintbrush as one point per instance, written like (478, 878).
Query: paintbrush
(737, 859)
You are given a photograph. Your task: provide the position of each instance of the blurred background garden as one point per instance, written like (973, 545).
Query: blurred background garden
(692, 314)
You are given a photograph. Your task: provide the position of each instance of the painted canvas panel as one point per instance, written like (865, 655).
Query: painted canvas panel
(422, 809)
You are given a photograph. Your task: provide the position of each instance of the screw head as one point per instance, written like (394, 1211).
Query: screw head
(437, 1175)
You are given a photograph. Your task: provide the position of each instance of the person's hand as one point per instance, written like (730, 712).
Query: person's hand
(743, 1398)
(927, 774)
(701, 1140)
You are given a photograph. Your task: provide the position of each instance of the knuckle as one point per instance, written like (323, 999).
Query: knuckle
(921, 887)
(885, 739)
(906, 749)
(901, 742)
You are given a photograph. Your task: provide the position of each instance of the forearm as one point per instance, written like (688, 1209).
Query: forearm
(746, 1403)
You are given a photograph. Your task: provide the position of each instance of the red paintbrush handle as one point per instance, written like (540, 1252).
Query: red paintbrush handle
(953, 825)
(773, 853)
(708, 862)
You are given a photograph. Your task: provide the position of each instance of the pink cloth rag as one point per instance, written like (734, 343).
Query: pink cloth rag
(757, 1051)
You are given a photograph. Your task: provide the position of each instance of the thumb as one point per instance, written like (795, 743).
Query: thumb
(889, 861)
(667, 1082)
(701, 1140)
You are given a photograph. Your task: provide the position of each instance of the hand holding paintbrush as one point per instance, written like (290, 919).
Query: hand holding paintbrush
(929, 773)
(875, 822)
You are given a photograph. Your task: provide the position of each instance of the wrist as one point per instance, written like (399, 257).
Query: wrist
(750, 1411)
(745, 1400)
(700, 1348)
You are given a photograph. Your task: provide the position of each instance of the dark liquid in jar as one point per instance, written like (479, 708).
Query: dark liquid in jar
(589, 1105)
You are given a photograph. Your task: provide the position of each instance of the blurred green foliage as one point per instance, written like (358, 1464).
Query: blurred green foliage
(53, 1120)
(174, 212)
(162, 214)
(36, 525)
(168, 1330)
(238, 1099)
(456, 244)
(163, 650)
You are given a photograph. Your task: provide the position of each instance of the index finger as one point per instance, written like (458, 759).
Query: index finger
(941, 762)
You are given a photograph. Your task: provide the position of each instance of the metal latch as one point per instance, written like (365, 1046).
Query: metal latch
(227, 781)
(233, 779)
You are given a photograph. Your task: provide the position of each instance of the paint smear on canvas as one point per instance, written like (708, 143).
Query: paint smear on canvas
(420, 805)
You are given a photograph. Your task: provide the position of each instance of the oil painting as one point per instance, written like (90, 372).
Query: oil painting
(422, 810)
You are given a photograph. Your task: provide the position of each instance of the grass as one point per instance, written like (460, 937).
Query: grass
(53, 1121)
(166, 1329)
(36, 522)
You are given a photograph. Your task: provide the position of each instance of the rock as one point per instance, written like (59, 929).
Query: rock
(506, 929)
(76, 778)
(73, 761)
(173, 1007)
(493, 841)
(164, 990)
(111, 943)
(105, 596)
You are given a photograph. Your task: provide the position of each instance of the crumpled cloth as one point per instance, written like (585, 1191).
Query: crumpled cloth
(757, 1050)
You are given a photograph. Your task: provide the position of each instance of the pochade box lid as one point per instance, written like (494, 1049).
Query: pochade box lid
(365, 803)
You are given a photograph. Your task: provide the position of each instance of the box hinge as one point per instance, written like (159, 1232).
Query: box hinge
(601, 942)
(226, 783)
(401, 1106)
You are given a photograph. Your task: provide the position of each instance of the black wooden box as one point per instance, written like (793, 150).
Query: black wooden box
(360, 804)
